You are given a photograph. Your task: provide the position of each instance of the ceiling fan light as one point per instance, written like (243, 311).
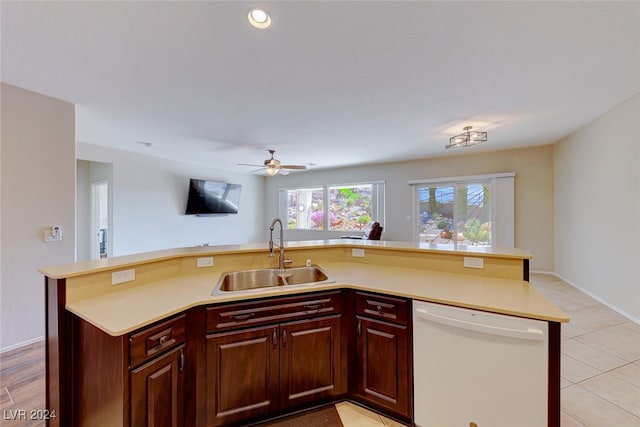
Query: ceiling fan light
(271, 170)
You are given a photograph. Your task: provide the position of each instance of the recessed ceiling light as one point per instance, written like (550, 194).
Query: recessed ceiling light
(259, 18)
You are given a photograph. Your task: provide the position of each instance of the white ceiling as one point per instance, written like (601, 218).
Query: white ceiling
(333, 83)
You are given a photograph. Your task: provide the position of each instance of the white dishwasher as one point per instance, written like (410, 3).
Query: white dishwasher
(473, 368)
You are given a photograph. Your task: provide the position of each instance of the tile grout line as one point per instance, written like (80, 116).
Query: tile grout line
(597, 375)
(608, 401)
(627, 362)
(596, 347)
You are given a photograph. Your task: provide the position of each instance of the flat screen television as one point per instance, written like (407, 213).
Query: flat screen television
(212, 197)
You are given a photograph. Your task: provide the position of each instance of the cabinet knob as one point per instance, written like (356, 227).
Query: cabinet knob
(163, 340)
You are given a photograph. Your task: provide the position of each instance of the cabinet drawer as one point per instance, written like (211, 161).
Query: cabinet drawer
(382, 307)
(264, 311)
(156, 339)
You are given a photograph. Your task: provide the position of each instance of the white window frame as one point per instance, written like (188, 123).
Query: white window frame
(502, 203)
(377, 203)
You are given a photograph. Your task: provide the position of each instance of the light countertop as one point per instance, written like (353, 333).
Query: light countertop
(122, 312)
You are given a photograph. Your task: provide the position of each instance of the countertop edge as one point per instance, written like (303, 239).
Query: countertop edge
(441, 294)
(125, 261)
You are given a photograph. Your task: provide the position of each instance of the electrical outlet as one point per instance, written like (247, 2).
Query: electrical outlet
(123, 276)
(358, 253)
(473, 262)
(205, 262)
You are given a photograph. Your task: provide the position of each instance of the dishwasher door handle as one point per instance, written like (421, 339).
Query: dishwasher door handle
(525, 334)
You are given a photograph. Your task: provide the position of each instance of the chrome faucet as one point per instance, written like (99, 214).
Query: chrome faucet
(281, 260)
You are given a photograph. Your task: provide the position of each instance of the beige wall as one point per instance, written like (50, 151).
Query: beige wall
(597, 208)
(37, 191)
(533, 193)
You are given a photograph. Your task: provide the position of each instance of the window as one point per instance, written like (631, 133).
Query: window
(305, 208)
(466, 210)
(458, 212)
(345, 207)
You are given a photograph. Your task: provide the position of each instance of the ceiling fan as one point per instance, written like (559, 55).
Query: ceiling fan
(272, 166)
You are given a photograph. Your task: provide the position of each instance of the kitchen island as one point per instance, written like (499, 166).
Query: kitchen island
(85, 312)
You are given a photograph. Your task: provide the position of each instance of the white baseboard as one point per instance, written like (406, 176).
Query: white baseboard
(20, 344)
(548, 273)
(595, 297)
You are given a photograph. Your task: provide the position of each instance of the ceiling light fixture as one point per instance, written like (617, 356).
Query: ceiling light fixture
(271, 170)
(259, 18)
(467, 139)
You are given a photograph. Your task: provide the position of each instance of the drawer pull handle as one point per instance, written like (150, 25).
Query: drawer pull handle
(241, 317)
(181, 361)
(316, 306)
(379, 308)
(160, 341)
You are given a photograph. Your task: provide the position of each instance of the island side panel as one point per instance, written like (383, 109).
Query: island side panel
(101, 381)
(195, 368)
(553, 405)
(59, 378)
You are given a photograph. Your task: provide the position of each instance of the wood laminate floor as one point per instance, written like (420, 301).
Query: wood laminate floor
(600, 370)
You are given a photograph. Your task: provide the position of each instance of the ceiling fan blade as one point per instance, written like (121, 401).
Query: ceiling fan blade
(257, 170)
(298, 167)
(247, 164)
(284, 172)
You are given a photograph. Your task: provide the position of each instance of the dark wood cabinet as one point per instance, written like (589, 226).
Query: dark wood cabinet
(310, 360)
(261, 370)
(132, 380)
(242, 374)
(382, 364)
(245, 361)
(157, 391)
(384, 359)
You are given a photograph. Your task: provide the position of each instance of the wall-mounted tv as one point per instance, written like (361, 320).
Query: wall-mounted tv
(212, 197)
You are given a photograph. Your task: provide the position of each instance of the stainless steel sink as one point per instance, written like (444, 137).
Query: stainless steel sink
(247, 280)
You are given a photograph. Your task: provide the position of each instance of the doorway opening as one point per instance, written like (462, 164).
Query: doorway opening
(94, 210)
(99, 219)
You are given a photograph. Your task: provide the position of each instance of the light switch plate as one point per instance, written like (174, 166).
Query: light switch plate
(473, 262)
(53, 234)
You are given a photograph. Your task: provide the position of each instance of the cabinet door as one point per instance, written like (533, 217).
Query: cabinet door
(383, 371)
(157, 391)
(310, 360)
(242, 374)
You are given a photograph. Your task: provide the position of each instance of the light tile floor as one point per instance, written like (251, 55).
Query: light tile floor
(600, 364)
(355, 416)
